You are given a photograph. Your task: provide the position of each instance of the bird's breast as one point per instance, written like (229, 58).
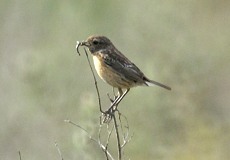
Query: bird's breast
(105, 72)
(110, 76)
(98, 65)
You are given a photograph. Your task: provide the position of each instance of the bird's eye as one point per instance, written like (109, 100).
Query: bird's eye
(95, 42)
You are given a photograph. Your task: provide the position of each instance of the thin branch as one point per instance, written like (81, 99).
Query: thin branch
(89, 136)
(118, 136)
(20, 157)
(127, 125)
(95, 81)
(93, 139)
(108, 137)
(126, 137)
(59, 151)
(126, 141)
(99, 142)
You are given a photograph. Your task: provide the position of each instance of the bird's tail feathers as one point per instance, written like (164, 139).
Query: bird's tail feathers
(153, 83)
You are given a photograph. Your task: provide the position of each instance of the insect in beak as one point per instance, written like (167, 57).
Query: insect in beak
(83, 43)
(77, 46)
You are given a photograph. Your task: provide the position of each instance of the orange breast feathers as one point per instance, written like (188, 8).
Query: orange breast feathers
(108, 75)
(104, 72)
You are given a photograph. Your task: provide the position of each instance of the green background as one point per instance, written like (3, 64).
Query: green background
(184, 44)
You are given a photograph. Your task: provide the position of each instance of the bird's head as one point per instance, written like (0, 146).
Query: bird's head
(97, 43)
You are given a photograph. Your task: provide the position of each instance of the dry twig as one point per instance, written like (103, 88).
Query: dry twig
(95, 81)
(103, 147)
(20, 157)
(59, 151)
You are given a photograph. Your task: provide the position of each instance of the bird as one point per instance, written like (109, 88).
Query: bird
(115, 68)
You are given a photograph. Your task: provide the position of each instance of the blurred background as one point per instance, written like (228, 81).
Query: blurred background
(184, 44)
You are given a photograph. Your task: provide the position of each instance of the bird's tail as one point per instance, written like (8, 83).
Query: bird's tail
(153, 83)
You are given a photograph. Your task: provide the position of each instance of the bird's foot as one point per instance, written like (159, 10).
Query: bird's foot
(107, 115)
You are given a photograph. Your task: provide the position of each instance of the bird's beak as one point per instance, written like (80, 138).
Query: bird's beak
(84, 43)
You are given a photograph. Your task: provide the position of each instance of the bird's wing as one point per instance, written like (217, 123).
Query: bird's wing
(123, 66)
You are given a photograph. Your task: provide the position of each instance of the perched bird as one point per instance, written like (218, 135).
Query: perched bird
(114, 68)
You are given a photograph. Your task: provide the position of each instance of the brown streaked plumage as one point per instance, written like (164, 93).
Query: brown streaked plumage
(114, 68)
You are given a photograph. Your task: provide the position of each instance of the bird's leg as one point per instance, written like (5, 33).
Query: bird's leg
(111, 100)
(114, 95)
(120, 92)
(116, 98)
(114, 101)
(120, 96)
(113, 107)
(107, 115)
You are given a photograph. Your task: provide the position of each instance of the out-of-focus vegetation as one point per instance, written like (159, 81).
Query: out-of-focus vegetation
(184, 44)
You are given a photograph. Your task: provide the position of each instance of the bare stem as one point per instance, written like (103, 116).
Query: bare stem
(117, 135)
(20, 157)
(59, 151)
(104, 149)
(95, 81)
